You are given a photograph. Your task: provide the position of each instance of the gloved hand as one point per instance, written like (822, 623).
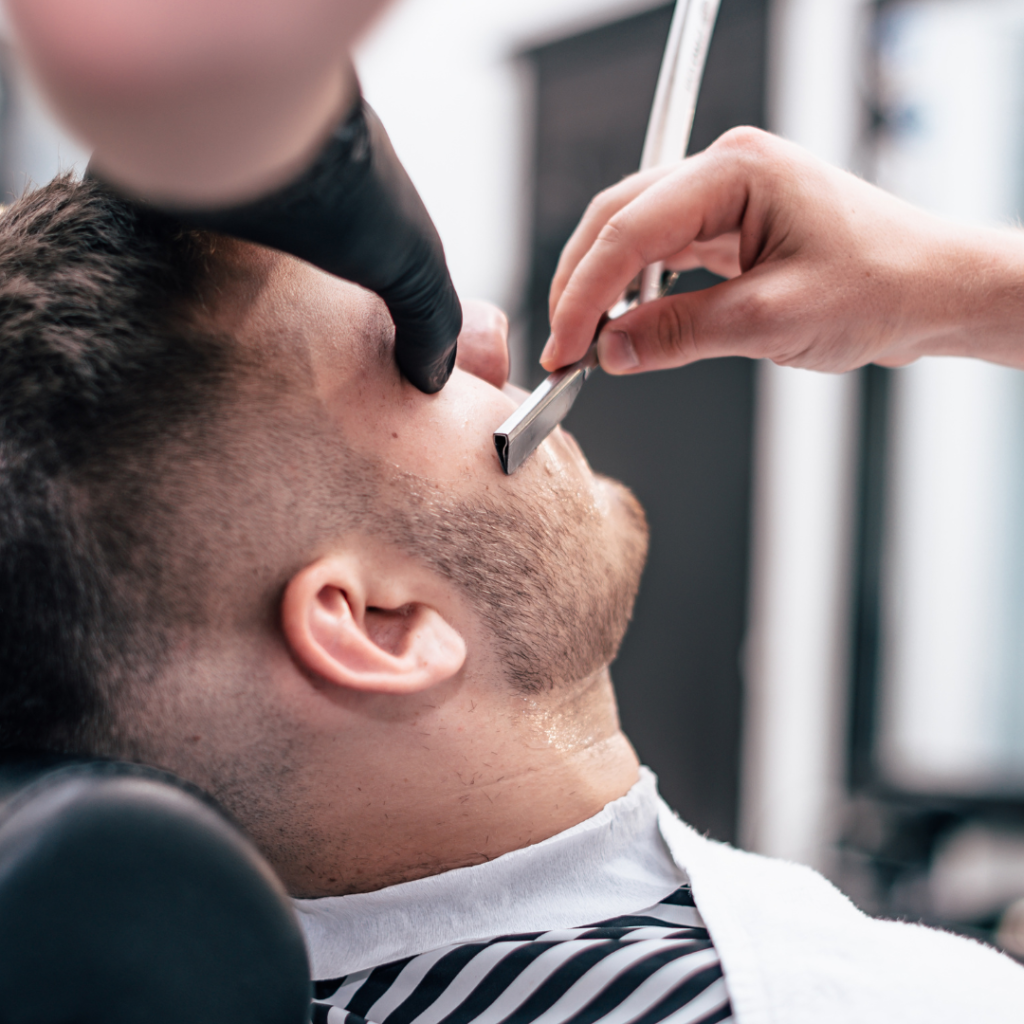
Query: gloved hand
(355, 213)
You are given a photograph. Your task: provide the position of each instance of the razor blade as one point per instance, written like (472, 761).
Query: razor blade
(520, 435)
(549, 403)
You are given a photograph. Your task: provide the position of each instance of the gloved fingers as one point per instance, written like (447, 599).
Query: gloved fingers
(423, 304)
(354, 213)
(407, 267)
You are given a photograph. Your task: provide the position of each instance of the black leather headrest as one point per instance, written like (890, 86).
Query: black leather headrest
(127, 896)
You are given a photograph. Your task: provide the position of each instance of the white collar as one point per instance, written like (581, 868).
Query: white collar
(611, 864)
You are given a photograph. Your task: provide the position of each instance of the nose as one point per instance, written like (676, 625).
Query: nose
(483, 342)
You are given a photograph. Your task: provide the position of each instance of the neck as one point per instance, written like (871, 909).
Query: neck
(462, 778)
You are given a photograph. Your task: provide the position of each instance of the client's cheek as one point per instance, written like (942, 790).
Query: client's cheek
(461, 434)
(455, 448)
(447, 437)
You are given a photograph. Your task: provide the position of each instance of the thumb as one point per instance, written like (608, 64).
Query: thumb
(676, 330)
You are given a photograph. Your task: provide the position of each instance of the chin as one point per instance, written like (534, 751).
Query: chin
(619, 495)
(629, 522)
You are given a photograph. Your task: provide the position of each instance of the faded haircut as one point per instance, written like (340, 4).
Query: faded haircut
(104, 364)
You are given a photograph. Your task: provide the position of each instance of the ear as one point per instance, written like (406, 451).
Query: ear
(390, 644)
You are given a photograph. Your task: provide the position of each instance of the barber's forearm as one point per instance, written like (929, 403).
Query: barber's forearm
(968, 297)
(195, 101)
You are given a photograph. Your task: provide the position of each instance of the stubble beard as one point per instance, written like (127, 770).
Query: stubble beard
(555, 580)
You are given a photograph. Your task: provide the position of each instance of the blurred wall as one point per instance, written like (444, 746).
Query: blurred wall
(33, 146)
(797, 661)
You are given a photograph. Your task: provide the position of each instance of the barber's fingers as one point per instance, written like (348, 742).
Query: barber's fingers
(483, 342)
(721, 256)
(600, 210)
(768, 312)
(669, 332)
(701, 199)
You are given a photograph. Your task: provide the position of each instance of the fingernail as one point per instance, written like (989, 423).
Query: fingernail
(616, 352)
(548, 349)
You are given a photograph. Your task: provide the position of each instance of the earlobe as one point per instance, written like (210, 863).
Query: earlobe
(336, 633)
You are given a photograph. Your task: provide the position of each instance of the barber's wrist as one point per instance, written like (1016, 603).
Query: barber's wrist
(970, 295)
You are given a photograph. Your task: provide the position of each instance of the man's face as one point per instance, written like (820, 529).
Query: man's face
(550, 557)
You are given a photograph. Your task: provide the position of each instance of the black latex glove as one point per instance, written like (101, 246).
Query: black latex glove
(355, 213)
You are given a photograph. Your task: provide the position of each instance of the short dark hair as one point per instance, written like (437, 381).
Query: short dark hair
(105, 361)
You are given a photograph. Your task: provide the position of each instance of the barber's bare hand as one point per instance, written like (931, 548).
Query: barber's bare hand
(825, 269)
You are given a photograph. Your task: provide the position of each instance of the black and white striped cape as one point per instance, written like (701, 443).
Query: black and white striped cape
(657, 966)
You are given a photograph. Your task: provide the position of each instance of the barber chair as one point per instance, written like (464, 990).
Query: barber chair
(126, 895)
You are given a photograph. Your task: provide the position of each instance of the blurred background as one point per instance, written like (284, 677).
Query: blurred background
(827, 660)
